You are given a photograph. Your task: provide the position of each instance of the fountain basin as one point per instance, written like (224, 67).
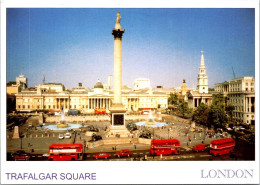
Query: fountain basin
(56, 127)
(154, 124)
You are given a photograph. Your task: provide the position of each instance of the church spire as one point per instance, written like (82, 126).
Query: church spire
(202, 59)
(202, 85)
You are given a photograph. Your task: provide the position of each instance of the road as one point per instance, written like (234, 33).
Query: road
(139, 155)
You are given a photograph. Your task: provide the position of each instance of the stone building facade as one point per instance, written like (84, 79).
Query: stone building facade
(240, 92)
(53, 96)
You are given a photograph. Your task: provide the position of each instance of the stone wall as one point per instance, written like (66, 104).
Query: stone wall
(144, 141)
(91, 118)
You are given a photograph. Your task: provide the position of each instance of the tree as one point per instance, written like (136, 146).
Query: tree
(218, 99)
(217, 115)
(201, 115)
(184, 109)
(173, 99)
(229, 110)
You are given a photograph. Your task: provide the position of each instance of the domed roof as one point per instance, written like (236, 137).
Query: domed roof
(99, 85)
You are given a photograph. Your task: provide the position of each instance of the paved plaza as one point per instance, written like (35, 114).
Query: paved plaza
(38, 140)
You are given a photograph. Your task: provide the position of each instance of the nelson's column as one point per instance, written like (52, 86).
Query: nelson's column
(117, 109)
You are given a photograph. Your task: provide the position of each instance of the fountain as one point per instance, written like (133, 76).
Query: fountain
(151, 122)
(62, 123)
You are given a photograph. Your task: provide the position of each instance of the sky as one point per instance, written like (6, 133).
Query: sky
(69, 46)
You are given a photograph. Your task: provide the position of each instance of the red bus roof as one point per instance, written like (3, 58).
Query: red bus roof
(219, 141)
(166, 141)
(51, 111)
(65, 145)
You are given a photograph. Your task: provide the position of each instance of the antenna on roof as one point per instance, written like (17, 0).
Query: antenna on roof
(234, 75)
(43, 79)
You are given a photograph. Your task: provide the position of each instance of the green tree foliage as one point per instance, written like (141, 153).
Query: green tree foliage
(173, 99)
(201, 115)
(218, 99)
(229, 110)
(184, 109)
(217, 115)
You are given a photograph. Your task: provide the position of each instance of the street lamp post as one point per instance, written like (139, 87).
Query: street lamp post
(153, 144)
(21, 137)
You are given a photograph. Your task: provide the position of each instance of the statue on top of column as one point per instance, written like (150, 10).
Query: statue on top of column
(118, 26)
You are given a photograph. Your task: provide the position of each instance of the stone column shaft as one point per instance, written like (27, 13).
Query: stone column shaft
(117, 70)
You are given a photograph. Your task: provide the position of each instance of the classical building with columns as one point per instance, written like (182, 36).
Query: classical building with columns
(53, 96)
(201, 94)
(240, 92)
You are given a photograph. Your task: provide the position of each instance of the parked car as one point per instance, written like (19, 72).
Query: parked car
(199, 148)
(61, 136)
(228, 128)
(124, 153)
(45, 155)
(20, 155)
(67, 135)
(101, 156)
(241, 128)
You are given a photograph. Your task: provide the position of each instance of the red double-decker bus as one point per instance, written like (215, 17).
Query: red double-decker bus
(100, 111)
(222, 146)
(146, 110)
(165, 147)
(65, 152)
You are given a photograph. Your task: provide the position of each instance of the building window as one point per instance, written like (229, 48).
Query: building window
(19, 106)
(246, 84)
(75, 106)
(49, 106)
(38, 107)
(246, 89)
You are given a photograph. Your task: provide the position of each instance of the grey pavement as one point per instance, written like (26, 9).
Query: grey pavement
(40, 141)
